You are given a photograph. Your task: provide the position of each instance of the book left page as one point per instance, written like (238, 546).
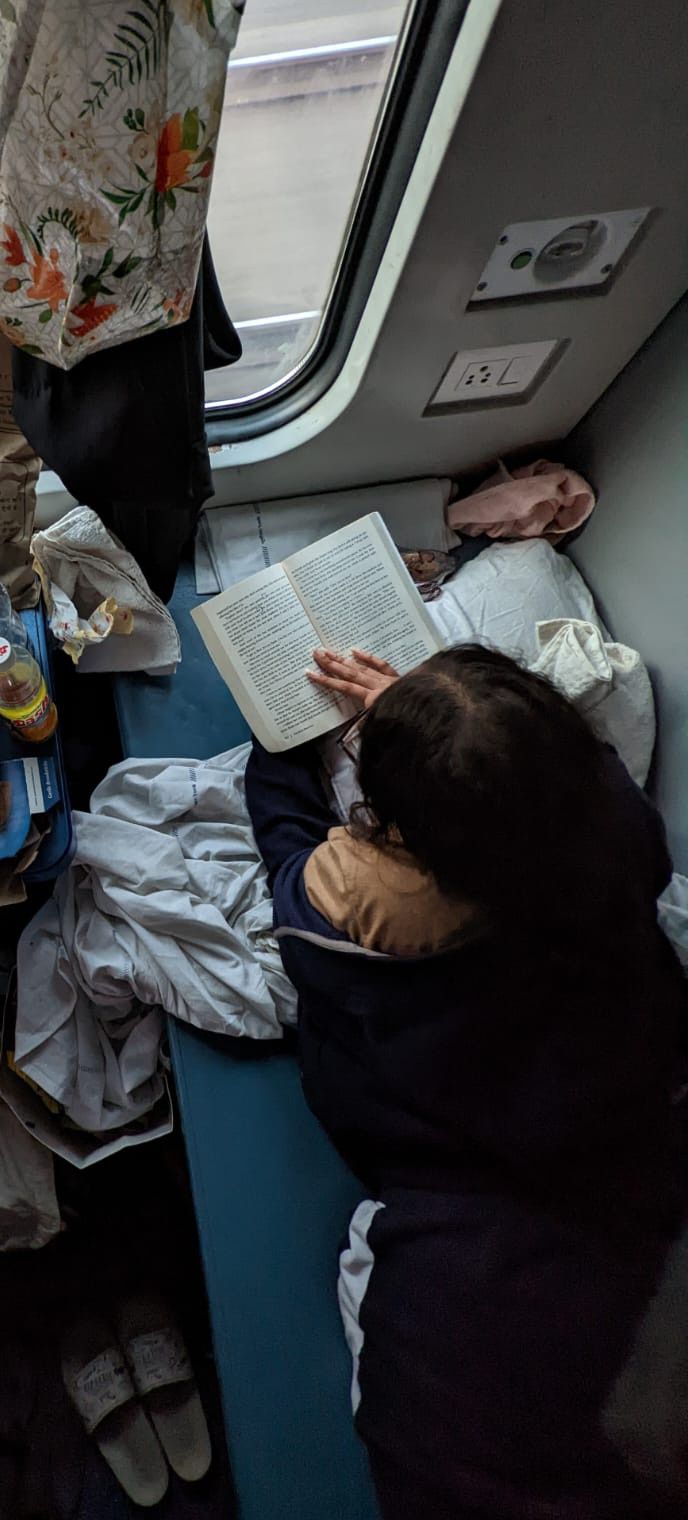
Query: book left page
(261, 640)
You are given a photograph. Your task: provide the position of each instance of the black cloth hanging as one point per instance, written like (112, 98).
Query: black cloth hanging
(125, 429)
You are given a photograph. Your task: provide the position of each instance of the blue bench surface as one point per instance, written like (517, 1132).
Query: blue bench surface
(273, 1199)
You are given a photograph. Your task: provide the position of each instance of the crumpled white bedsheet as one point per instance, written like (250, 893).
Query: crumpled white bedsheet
(166, 905)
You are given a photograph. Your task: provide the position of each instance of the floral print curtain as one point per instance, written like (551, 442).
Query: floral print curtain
(109, 117)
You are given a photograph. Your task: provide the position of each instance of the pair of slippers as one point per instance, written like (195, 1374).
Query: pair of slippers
(136, 1394)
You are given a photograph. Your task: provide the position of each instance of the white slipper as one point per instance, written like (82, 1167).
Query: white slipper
(163, 1377)
(99, 1385)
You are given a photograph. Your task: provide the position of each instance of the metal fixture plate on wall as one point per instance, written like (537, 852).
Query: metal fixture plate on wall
(561, 253)
(494, 376)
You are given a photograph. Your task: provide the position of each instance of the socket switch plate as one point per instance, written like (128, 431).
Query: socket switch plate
(503, 374)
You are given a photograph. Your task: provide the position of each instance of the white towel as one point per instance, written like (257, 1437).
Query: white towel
(100, 606)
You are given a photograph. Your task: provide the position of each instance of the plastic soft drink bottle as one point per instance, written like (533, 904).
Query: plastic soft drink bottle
(11, 625)
(24, 698)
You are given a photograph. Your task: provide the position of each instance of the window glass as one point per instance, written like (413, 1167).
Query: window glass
(304, 92)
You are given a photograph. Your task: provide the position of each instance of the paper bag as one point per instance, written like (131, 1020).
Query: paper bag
(19, 471)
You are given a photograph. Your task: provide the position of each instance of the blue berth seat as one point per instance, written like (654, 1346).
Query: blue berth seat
(272, 1197)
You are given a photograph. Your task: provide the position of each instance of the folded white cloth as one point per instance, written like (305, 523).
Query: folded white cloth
(100, 606)
(606, 681)
(165, 907)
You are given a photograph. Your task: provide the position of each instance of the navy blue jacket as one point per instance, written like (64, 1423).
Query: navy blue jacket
(512, 1113)
(481, 1061)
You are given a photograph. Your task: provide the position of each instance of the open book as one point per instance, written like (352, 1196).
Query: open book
(349, 590)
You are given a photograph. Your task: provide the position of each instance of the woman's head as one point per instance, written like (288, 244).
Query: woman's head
(496, 785)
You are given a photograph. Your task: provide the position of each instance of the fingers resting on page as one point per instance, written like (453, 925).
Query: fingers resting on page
(359, 676)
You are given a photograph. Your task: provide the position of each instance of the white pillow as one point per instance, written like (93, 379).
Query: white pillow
(501, 596)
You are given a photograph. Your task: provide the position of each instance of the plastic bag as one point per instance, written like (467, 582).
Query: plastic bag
(100, 607)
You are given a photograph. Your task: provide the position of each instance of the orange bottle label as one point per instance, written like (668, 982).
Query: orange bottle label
(36, 724)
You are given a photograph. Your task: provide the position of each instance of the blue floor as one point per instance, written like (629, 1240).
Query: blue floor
(129, 1225)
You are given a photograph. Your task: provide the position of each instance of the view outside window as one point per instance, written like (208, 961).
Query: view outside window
(304, 91)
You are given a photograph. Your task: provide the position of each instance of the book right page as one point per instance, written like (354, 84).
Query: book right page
(358, 594)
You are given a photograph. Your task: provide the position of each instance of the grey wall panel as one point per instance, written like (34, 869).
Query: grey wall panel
(575, 108)
(634, 551)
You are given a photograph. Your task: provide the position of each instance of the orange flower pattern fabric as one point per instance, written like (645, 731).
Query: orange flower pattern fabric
(14, 253)
(48, 282)
(112, 120)
(173, 160)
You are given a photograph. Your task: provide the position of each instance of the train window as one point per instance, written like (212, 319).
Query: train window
(306, 93)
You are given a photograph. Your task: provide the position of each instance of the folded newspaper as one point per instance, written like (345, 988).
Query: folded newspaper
(235, 542)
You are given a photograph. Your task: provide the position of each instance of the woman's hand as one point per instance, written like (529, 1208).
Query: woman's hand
(360, 676)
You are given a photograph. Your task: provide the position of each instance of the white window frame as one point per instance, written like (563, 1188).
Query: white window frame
(282, 438)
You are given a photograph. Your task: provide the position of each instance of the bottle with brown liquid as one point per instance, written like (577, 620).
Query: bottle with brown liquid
(24, 698)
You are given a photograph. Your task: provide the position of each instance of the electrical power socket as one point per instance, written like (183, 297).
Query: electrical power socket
(503, 374)
(476, 376)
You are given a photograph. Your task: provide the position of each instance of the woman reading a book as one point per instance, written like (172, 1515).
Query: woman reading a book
(488, 1032)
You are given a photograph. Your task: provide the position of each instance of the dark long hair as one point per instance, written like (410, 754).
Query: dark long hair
(500, 789)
